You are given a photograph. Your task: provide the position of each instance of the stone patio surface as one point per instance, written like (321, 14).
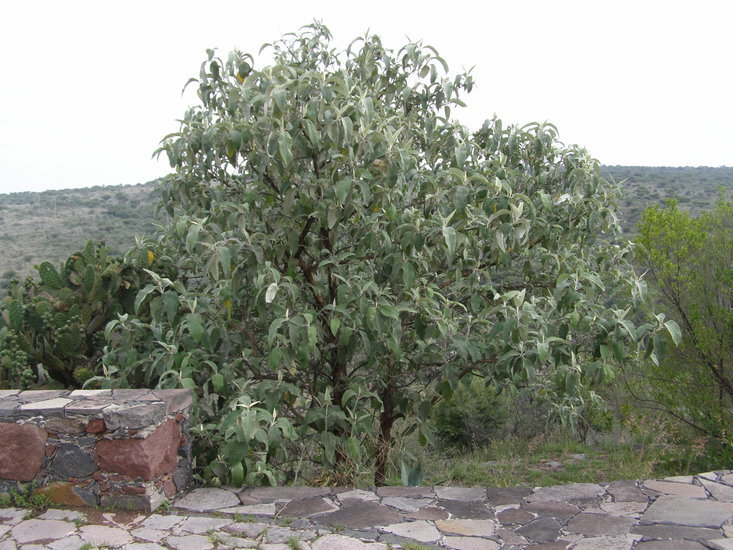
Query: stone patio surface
(678, 513)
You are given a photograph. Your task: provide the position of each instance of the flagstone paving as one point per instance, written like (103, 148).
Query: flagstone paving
(676, 513)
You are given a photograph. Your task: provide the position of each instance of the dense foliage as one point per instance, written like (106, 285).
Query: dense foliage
(347, 253)
(688, 260)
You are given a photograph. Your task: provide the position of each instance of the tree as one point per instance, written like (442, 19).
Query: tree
(348, 254)
(689, 261)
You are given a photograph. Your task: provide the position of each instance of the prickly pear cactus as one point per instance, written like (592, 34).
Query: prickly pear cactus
(49, 276)
(54, 327)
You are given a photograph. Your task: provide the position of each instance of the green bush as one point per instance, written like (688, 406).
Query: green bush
(475, 415)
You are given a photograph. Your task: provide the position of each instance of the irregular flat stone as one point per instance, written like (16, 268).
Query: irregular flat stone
(678, 489)
(71, 461)
(599, 524)
(68, 515)
(422, 531)
(470, 543)
(158, 521)
(406, 504)
(190, 542)
(87, 406)
(360, 515)
(712, 476)
(680, 479)
(626, 491)
(231, 541)
(36, 530)
(202, 500)
(670, 545)
(541, 530)
(357, 494)
(89, 393)
(630, 509)
(67, 543)
(8, 393)
(144, 546)
(271, 494)
(430, 513)
(29, 396)
(467, 527)
(719, 491)
(507, 495)
(12, 516)
(554, 545)
(466, 510)
(102, 535)
(721, 544)
(307, 507)
(48, 407)
(175, 400)
(284, 534)
(22, 451)
(510, 537)
(340, 542)
(619, 542)
(64, 425)
(200, 525)
(688, 511)
(406, 492)
(149, 457)
(152, 535)
(513, 516)
(552, 508)
(569, 492)
(251, 510)
(726, 478)
(9, 407)
(133, 417)
(465, 494)
(675, 532)
(249, 530)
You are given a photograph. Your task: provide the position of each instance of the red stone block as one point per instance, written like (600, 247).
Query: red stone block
(96, 426)
(148, 458)
(22, 451)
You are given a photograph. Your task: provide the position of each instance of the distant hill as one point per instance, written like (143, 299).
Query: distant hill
(694, 188)
(51, 225)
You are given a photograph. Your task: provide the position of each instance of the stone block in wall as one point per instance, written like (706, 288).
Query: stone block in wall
(22, 452)
(148, 458)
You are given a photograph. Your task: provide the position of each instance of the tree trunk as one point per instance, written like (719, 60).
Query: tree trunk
(384, 439)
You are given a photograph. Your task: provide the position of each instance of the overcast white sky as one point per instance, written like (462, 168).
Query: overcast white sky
(90, 87)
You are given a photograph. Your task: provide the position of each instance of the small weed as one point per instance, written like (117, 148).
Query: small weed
(414, 546)
(165, 505)
(293, 543)
(338, 528)
(213, 536)
(284, 521)
(86, 546)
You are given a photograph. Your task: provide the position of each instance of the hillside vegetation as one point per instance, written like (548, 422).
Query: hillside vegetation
(35, 227)
(50, 225)
(694, 188)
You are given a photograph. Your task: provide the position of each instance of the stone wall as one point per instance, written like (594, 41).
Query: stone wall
(120, 448)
